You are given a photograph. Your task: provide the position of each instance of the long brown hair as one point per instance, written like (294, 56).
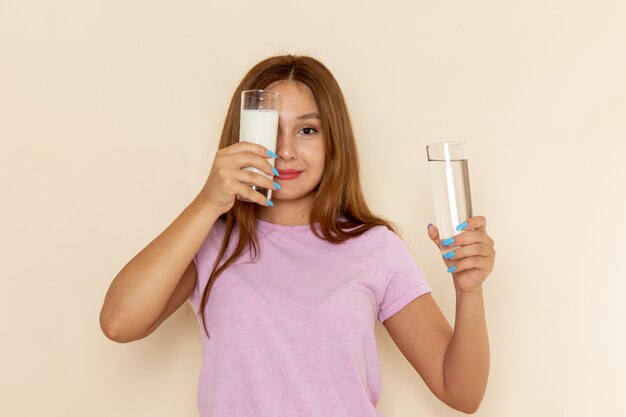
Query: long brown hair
(339, 192)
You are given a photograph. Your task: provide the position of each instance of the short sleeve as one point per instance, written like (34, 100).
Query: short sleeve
(204, 259)
(405, 280)
(194, 299)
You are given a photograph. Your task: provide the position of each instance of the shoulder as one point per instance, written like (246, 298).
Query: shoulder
(382, 234)
(213, 239)
(390, 245)
(217, 231)
(378, 238)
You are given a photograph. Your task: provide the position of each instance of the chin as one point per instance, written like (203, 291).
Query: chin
(286, 195)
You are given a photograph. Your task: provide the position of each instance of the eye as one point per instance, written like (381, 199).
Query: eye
(308, 131)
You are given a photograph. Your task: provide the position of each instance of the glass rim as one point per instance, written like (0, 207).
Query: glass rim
(260, 91)
(447, 151)
(449, 142)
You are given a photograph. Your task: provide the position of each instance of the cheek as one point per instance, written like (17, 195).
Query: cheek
(315, 156)
(319, 165)
(320, 156)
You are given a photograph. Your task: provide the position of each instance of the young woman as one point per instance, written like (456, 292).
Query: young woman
(288, 291)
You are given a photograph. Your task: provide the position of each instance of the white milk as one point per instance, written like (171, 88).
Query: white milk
(259, 126)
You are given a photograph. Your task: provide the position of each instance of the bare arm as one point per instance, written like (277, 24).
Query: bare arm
(454, 363)
(141, 290)
(466, 363)
(158, 279)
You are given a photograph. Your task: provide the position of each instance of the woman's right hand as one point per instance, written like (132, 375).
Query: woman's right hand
(227, 179)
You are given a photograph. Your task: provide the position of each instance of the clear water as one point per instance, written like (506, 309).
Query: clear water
(451, 190)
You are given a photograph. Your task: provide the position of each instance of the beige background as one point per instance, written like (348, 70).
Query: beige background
(109, 117)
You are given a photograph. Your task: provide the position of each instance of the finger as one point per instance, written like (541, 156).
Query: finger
(473, 223)
(474, 262)
(433, 233)
(245, 146)
(252, 178)
(468, 238)
(250, 159)
(245, 191)
(476, 249)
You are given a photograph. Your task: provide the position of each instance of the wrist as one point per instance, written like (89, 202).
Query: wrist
(207, 209)
(469, 294)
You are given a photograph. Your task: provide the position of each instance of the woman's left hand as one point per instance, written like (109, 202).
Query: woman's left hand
(473, 256)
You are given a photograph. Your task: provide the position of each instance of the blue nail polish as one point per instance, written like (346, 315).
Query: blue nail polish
(447, 242)
(269, 202)
(452, 268)
(461, 226)
(449, 255)
(276, 185)
(272, 154)
(275, 172)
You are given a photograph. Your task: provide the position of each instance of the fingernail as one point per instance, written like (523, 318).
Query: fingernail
(461, 226)
(276, 185)
(428, 227)
(275, 172)
(452, 268)
(449, 255)
(269, 202)
(272, 154)
(447, 242)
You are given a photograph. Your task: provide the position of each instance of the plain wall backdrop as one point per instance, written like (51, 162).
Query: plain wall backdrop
(110, 113)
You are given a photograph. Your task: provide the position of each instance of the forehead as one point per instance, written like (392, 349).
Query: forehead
(294, 95)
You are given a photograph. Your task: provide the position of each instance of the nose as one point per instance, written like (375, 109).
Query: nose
(285, 148)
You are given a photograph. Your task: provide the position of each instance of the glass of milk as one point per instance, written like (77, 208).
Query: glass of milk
(258, 123)
(451, 187)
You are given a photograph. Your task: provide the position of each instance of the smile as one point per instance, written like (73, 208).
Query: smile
(288, 174)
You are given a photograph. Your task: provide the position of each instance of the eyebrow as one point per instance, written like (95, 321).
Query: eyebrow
(309, 116)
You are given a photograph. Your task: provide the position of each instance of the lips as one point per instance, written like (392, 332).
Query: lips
(288, 174)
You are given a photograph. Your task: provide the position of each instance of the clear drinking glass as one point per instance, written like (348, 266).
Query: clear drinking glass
(258, 123)
(451, 187)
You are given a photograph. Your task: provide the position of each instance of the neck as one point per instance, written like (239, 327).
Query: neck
(287, 212)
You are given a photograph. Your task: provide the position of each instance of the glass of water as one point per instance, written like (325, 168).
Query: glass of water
(258, 123)
(451, 187)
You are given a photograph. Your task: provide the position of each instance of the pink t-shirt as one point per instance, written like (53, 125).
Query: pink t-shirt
(293, 333)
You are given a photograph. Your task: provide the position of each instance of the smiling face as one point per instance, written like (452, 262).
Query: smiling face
(300, 145)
